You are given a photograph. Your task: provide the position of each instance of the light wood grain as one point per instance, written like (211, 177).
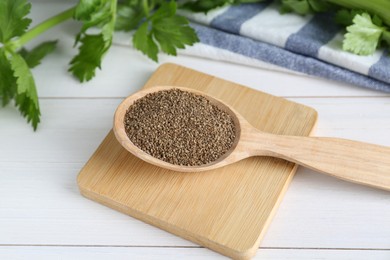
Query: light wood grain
(357, 162)
(227, 209)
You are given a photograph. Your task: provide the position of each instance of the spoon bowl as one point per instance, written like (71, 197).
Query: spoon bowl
(358, 162)
(229, 157)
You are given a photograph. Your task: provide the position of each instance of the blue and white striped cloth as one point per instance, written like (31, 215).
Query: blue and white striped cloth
(309, 44)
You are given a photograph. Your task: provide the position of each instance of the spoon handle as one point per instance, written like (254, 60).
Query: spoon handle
(353, 161)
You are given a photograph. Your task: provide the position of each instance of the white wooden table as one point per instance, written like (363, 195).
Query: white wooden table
(43, 216)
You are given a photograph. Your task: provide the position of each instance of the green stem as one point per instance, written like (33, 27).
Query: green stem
(111, 24)
(42, 27)
(145, 6)
(378, 7)
(113, 6)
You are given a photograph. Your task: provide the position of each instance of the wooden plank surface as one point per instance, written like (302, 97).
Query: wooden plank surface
(172, 253)
(227, 209)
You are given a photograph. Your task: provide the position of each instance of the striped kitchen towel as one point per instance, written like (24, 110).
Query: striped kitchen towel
(258, 35)
(309, 44)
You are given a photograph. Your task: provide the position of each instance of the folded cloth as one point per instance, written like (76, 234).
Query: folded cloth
(309, 44)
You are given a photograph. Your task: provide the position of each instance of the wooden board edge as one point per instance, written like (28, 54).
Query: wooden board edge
(241, 255)
(79, 175)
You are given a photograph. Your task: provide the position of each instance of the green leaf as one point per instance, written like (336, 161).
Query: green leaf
(173, 33)
(166, 30)
(33, 57)
(26, 92)
(386, 37)
(12, 18)
(204, 5)
(128, 17)
(363, 36)
(304, 7)
(93, 13)
(28, 109)
(301, 7)
(166, 10)
(8, 81)
(91, 52)
(25, 81)
(377, 20)
(143, 41)
(101, 17)
(319, 5)
(86, 8)
(345, 17)
(247, 1)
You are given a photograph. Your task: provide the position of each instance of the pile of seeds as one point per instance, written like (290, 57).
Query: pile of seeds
(179, 127)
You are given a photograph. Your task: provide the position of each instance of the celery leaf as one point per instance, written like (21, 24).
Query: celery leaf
(86, 8)
(301, 7)
(128, 17)
(386, 37)
(33, 57)
(166, 30)
(8, 81)
(12, 18)
(93, 46)
(171, 31)
(345, 16)
(26, 92)
(363, 35)
(204, 5)
(90, 55)
(304, 7)
(319, 5)
(143, 41)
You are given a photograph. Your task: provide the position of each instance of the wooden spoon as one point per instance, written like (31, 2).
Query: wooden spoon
(358, 162)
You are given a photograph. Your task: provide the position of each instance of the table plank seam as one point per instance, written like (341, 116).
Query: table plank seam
(168, 246)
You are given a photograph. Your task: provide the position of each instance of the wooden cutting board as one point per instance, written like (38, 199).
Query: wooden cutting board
(227, 210)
